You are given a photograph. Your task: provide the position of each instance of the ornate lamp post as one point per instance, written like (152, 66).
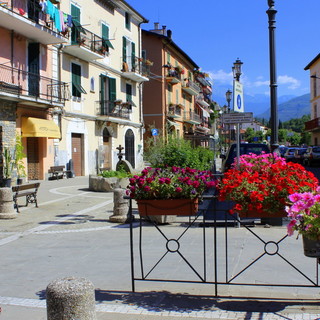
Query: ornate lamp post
(228, 98)
(271, 12)
(236, 69)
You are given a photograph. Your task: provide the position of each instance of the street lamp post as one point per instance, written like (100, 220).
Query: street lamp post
(225, 110)
(236, 69)
(228, 98)
(273, 78)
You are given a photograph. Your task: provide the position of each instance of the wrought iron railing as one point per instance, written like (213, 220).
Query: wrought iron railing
(136, 64)
(31, 9)
(174, 111)
(22, 83)
(113, 109)
(192, 116)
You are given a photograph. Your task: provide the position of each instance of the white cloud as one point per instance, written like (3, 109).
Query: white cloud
(290, 81)
(221, 76)
(260, 83)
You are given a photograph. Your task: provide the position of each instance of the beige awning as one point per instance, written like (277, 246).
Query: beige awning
(36, 127)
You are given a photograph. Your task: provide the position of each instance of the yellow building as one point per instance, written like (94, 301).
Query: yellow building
(313, 125)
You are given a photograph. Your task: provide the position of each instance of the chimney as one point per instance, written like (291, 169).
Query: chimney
(156, 25)
(169, 34)
(164, 31)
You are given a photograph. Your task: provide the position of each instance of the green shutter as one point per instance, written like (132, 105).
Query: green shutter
(129, 92)
(124, 49)
(75, 34)
(76, 79)
(133, 54)
(112, 93)
(105, 36)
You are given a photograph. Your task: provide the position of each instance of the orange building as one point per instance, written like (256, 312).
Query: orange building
(178, 96)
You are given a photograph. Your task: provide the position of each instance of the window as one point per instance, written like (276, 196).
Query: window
(169, 93)
(92, 84)
(315, 113)
(314, 85)
(128, 55)
(77, 89)
(107, 94)
(128, 92)
(128, 21)
(76, 29)
(106, 44)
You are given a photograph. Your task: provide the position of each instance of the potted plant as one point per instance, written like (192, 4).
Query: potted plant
(8, 165)
(169, 191)
(261, 184)
(304, 214)
(19, 155)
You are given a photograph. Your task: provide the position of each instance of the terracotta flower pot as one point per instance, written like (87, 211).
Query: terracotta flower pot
(179, 207)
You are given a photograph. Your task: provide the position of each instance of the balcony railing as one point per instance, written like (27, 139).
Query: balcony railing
(192, 117)
(191, 87)
(135, 68)
(113, 109)
(312, 125)
(174, 111)
(173, 76)
(20, 15)
(20, 84)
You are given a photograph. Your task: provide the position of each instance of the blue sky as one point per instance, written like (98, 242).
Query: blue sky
(215, 33)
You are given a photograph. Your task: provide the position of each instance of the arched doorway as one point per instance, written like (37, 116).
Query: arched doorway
(129, 147)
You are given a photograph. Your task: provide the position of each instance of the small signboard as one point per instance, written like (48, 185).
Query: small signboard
(238, 103)
(237, 117)
(154, 132)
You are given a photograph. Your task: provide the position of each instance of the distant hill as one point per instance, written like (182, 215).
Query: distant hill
(292, 109)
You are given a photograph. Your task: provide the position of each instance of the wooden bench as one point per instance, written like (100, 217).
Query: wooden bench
(28, 190)
(58, 172)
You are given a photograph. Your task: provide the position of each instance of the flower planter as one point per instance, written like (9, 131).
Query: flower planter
(256, 214)
(311, 247)
(178, 207)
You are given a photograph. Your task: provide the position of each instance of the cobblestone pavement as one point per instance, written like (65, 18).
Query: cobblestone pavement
(69, 234)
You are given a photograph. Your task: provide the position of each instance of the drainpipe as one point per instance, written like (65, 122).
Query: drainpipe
(12, 47)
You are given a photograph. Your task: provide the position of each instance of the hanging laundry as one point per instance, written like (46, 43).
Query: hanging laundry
(69, 22)
(63, 28)
(50, 9)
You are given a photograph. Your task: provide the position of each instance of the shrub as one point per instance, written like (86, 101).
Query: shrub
(114, 174)
(177, 152)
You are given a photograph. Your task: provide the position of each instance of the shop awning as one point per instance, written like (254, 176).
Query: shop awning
(38, 128)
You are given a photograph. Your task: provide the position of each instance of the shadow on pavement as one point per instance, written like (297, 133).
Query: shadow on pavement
(166, 301)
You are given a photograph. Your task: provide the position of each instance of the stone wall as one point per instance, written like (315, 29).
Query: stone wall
(100, 184)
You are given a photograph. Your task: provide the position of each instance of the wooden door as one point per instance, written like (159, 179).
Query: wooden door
(77, 153)
(33, 159)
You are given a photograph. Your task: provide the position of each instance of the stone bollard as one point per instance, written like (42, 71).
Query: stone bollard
(121, 206)
(70, 298)
(7, 210)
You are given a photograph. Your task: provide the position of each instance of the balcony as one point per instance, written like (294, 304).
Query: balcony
(26, 18)
(86, 45)
(174, 111)
(173, 76)
(106, 108)
(190, 87)
(135, 68)
(200, 99)
(29, 88)
(312, 125)
(191, 117)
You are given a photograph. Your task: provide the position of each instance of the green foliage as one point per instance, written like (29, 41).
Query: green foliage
(177, 152)
(18, 157)
(114, 174)
(8, 163)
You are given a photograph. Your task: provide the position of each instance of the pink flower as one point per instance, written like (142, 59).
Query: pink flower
(178, 189)
(295, 197)
(290, 227)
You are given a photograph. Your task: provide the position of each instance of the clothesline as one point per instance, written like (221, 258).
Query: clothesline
(62, 21)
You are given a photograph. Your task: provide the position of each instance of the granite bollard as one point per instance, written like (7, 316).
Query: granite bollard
(70, 298)
(121, 206)
(7, 210)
